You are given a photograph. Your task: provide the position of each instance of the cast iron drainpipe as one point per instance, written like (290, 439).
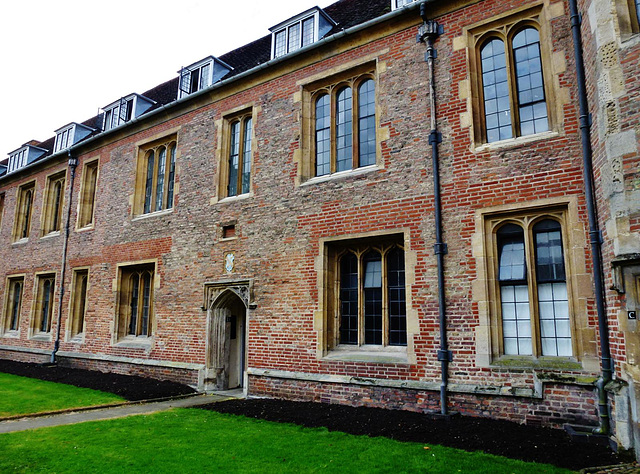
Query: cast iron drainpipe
(73, 163)
(594, 231)
(428, 33)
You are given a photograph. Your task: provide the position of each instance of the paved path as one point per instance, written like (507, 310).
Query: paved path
(109, 413)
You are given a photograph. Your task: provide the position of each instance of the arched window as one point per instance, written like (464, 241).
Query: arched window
(345, 126)
(157, 167)
(372, 302)
(513, 91)
(136, 301)
(534, 303)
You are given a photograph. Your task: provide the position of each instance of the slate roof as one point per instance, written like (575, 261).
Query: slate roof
(346, 14)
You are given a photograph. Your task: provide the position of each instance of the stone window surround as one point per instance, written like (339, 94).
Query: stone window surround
(368, 66)
(141, 148)
(485, 287)
(77, 303)
(51, 220)
(35, 332)
(22, 212)
(553, 65)
(120, 337)
(328, 347)
(87, 196)
(7, 307)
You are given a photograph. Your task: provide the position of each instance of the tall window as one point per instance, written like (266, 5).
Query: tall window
(240, 131)
(80, 286)
(156, 170)
(533, 289)
(54, 203)
(24, 210)
(513, 91)
(1, 208)
(136, 301)
(15, 289)
(371, 296)
(345, 126)
(43, 308)
(88, 194)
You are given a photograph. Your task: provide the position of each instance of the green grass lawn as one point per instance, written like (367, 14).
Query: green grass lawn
(22, 395)
(192, 440)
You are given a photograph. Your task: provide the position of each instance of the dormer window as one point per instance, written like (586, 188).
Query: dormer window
(125, 109)
(200, 75)
(395, 4)
(69, 135)
(24, 156)
(299, 31)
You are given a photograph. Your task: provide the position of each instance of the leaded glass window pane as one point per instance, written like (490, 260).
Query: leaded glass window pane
(367, 123)
(234, 153)
(172, 176)
(281, 43)
(349, 299)
(135, 290)
(294, 37)
(495, 87)
(344, 130)
(397, 298)
(372, 298)
(15, 308)
(148, 188)
(246, 156)
(162, 158)
(308, 27)
(529, 82)
(323, 135)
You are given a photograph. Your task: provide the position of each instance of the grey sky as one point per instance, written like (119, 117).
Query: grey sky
(60, 61)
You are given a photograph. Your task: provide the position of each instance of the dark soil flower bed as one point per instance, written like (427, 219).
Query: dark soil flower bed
(542, 445)
(132, 388)
(472, 434)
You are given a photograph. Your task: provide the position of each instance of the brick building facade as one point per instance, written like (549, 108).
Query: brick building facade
(270, 218)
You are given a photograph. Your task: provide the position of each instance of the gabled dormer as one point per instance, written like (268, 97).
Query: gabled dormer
(201, 75)
(23, 156)
(70, 135)
(301, 30)
(395, 4)
(125, 109)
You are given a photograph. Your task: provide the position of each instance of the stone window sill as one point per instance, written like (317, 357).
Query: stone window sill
(371, 354)
(530, 362)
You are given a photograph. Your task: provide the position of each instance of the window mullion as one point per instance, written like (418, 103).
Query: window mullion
(513, 87)
(334, 130)
(385, 300)
(241, 143)
(154, 179)
(360, 298)
(533, 292)
(355, 132)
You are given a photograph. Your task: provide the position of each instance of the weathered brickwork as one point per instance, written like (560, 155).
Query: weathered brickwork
(284, 226)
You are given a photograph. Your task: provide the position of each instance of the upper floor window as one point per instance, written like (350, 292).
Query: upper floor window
(54, 197)
(513, 86)
(236, 152)
(156, 177)
(200, 75)
(1, 208)
(24, 210)
(24, 156)
(299, 31)
(125, 109)
(70, 134)
(395, 4)
(88, 194)
(344, 118)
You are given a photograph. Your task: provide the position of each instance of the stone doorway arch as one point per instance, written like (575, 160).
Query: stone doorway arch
(226, 349)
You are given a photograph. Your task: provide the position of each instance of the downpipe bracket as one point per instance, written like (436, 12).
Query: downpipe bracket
(446, 356)
(435, 137)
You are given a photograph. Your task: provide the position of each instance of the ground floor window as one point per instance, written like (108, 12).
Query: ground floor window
(43, 308)
(15, 289)
(135, 314)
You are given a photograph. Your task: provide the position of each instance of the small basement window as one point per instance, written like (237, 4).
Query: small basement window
(300, 31)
